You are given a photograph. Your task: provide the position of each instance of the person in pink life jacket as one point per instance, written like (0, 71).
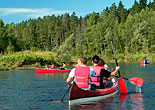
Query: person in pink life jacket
(103, 77)
(102, 63)
(81, 74)
(52, 66)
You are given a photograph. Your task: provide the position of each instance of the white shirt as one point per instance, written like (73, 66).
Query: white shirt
(106, 66)
(92, 73)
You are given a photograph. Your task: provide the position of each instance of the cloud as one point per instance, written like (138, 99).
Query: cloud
(28, 12)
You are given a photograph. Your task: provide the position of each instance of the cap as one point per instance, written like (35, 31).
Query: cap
(96, 59)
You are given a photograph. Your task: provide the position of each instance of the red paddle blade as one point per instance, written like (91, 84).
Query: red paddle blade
(122, 85)
(136, 81)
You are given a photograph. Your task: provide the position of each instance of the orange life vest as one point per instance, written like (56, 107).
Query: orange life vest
(82, 76)
(96, 79)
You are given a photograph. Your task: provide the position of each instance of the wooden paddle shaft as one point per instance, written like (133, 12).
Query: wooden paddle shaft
(65, 93)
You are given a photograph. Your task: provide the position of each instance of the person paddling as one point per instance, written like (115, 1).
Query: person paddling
(146, 61)
(52, 66)
(103, 77)
(102, 63)
(81, 74)
(63, 66)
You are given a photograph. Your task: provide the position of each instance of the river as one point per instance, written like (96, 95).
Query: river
(26, 90)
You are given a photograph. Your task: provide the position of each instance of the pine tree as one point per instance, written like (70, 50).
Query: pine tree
(143, 3)
(122, 13)
(3, 38)
(135, 8)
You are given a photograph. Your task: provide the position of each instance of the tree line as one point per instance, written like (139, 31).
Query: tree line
(132, 30)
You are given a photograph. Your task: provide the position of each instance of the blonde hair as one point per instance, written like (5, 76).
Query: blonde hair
(83, 59)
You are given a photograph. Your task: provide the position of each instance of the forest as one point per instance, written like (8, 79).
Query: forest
(69, 36)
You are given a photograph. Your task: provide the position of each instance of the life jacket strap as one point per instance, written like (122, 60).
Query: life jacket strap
(87, 80)
(98, 79)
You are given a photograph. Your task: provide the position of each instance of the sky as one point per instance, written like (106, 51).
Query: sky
(17, 11)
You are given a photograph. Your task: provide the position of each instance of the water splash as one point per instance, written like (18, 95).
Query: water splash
(138, 89)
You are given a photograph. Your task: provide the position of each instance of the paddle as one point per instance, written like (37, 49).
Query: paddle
(135, 80)
(65, 93)
(121, 82)
(63, 96)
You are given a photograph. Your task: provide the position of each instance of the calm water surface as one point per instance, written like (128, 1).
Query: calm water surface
(24, 90)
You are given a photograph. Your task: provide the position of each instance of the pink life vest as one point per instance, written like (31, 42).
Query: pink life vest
(82, 76)
(53, 66)
(96, 79)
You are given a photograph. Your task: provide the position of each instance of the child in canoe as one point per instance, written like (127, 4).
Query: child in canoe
(103, 77)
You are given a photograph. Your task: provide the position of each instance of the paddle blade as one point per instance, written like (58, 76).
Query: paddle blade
(136, 81)
(122, 85)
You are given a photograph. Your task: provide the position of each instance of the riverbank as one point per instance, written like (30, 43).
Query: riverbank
(30, 60)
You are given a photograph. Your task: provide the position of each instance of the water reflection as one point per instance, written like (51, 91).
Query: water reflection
(104, 104)
(131, 101)
(137, 100)
(134, 101)
(143, 65)
(54, 75)
(123, 98)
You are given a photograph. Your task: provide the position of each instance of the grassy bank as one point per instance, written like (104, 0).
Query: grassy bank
(29, 59)
(33, 59)
(134, 58)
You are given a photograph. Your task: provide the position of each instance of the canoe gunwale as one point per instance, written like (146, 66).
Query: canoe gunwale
(42, 71)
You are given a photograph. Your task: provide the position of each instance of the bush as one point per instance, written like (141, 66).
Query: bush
(20, 59)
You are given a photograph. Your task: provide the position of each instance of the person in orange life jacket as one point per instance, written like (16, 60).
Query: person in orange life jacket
(83, 71)
(104, 74)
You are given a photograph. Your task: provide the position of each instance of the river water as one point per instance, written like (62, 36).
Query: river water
(26, 90)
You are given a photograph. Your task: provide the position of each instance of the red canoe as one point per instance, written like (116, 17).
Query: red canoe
(81, 96)
(40, 71)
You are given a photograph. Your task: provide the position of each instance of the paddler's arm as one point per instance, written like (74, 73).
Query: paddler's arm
(116, 70)
(69, 79)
